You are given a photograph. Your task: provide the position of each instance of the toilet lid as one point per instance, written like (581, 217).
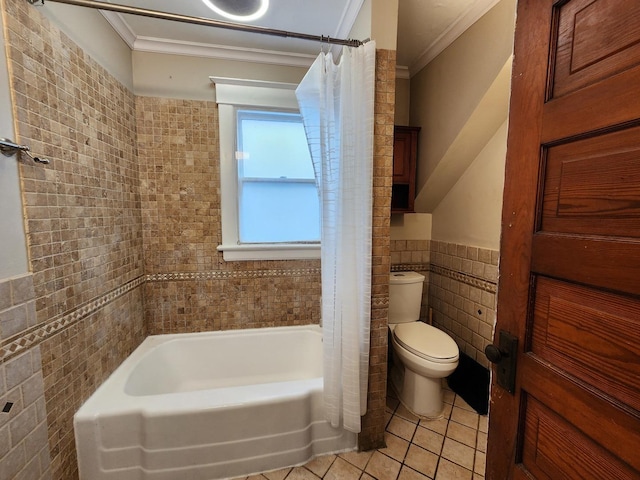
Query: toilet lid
(426, 341)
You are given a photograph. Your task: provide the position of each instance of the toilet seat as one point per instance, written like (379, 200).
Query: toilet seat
(426, 342)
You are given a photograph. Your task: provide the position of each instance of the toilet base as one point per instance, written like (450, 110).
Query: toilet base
(421, 395)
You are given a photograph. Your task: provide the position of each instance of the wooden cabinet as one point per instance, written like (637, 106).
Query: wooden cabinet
(405, 155)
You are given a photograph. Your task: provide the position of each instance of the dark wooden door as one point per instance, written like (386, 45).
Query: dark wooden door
(569, 286)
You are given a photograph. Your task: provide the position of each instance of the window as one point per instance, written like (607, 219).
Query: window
(277, 195)
(269, 200)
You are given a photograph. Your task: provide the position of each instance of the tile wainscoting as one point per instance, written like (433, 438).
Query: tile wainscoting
(62, 360)
(462, 294)
(223, 299)
(24, 448)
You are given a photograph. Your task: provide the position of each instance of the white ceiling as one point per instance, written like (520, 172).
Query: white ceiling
(425, 28)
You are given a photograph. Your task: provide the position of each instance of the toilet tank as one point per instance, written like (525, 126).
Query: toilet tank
(405, 296)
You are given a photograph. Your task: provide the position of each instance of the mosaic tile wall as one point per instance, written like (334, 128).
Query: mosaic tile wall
(24, 448)
(83, 221)
(235, 299)
(83, 209)
(17, 306)
(189, 286)
(374, 422)
(463, 295)
(179, 168)
(77, 360)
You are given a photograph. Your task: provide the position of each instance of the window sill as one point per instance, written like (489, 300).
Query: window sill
(290, 251)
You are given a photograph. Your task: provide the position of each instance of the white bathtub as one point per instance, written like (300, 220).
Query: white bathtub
(209, 406)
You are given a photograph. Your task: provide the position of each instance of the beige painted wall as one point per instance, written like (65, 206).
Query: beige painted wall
(411, 226)
(13, 254)
(471, 213)
(384, 23)
(91, 31)
(377, 19)
(489, 114)
(403, 99)
(178, 76)
(361, 28)
(446, 92)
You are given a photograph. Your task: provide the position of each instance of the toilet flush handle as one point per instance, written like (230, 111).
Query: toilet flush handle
(504, 357)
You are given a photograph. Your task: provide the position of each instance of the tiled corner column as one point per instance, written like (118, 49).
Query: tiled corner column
(24, 447)
(373, 423)
(462, 295)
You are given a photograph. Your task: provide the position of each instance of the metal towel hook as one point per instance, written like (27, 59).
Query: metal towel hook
(9, 148)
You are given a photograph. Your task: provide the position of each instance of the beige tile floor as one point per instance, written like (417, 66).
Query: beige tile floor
(450, 448)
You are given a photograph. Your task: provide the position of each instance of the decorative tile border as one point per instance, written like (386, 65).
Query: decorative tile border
(15, 345)
(406, 267)
(225, 275)
(480, 283)
(379, 301)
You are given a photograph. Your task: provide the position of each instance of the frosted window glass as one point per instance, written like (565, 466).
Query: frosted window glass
(279, 212)
(277, 195)
(273, 145)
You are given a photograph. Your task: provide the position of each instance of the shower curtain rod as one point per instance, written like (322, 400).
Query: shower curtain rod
(114, 7)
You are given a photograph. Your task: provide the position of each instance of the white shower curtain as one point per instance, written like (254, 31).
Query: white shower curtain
(336, 103)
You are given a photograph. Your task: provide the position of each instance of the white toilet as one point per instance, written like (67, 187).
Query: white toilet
(422, 354)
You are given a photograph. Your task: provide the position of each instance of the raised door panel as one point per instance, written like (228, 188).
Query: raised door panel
(591, 335)
(546, 434)
(588, 224)
(592, 186)
(401, 157)
(596, 39)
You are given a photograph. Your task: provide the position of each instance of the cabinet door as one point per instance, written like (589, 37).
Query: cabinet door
(405, 152)
(402, 149)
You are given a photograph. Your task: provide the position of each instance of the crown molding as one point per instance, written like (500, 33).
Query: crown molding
(402, 72)
(193, 49)
(348, 19)
(470, 16)
(349, 15)
(122, 28)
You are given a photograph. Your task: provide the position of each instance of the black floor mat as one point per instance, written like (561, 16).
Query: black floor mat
(471, 382)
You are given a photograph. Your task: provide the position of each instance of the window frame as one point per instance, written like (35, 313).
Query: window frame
(232, 95)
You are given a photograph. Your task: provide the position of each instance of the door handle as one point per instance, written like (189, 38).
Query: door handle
(504, 357)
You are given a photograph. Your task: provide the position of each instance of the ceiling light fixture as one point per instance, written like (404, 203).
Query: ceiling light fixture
(240, 11)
